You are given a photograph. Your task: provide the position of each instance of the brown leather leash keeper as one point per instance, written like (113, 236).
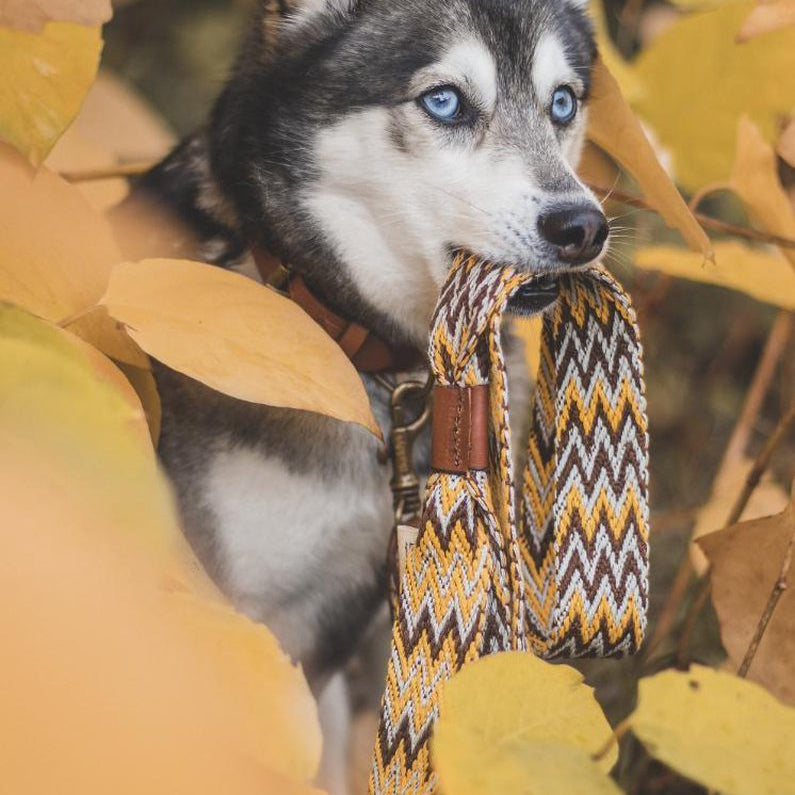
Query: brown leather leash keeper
(460, 440)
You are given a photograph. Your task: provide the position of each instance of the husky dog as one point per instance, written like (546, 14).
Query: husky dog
(361, 141)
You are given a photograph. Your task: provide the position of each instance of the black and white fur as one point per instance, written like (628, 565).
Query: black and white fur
(319, 151)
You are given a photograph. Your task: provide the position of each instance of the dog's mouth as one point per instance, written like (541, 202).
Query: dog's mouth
(535, 296)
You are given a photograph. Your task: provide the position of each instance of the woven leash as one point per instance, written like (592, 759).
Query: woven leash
(559, 569)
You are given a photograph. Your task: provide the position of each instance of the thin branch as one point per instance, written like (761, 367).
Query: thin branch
(706, 221)
(770, 608)
(112, 172)
(761, 464)
(614, 739)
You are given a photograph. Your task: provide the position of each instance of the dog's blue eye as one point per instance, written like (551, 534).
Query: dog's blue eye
(443, 104)
(564, 105)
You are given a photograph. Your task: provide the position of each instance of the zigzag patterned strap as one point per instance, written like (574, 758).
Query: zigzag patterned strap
(568, 578)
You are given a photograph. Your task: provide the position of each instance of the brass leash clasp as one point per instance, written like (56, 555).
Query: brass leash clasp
(407, 424)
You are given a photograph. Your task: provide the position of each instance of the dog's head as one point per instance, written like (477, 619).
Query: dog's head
(378, 135)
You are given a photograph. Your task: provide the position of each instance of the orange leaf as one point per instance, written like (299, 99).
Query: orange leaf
(769, 15)
(55, 251)
(33, 14)
(746, 561)
(615, 128)
(755, 180)
(236, 336)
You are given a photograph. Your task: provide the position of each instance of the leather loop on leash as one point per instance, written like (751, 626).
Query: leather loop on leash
(460, 429)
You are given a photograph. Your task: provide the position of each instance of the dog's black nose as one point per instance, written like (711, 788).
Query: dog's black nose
(577, 231)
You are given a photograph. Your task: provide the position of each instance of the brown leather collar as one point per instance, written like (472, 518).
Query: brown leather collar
(368, 352)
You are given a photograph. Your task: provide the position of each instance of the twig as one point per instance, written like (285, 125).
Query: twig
(705, 220)
(761, 464)
(111, 172)
(770, 608)
(614, 739)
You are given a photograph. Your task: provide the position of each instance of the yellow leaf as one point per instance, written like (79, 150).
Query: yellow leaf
(99, 329)
(724, 732)
(763, 275)
(43, 80)
(755, 180)
(769, 15)
(15, 323)
(237, 337)
(621, 70)
(698, 83)
(468, 767)
(110, 682)
(614, 127)
(518, 710)
(33, 14)
(746, 561)
(528, 329)
(55, 251)
(270, 694)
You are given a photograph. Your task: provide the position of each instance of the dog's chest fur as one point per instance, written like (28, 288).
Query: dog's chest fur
(290, 512)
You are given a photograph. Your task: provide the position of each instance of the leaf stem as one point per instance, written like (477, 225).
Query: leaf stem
(111, 172)
(706, 221)
(618, 733)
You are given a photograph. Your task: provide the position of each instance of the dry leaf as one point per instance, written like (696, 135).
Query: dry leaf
(116, 119)
(33, 14)
(518, 711)
(143, 382)
(786, 144)
(755, 180)
(596, 168)
(698, 83)
(769, 15)
(236, 336)
(614, 128)
(746, 561)
(622, 70)
(55, 251)
(99, 329)
(114, 126)
(724, 732)
(111, 683)
(768, 498)
(762, 274)
(43, 80)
